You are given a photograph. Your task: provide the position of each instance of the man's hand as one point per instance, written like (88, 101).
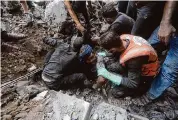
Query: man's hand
(165, 32)
(99, 83)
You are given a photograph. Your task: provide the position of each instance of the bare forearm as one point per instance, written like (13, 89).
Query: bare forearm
(73, 15)
(168, 11)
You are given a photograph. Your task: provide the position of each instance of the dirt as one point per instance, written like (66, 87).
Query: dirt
(16, 60)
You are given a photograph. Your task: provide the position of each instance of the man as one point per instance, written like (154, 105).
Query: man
(163, 36)
(137, 58)
(147, 16)
(63, 68)
(120, 22)
(78, 7)
(26, 5)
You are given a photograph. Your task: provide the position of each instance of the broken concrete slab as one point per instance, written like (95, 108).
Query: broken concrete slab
(64, 105)
(59, 106)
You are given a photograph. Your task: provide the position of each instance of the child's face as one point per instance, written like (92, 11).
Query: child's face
(92, 59)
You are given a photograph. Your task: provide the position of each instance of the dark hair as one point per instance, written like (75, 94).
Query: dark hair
(109, 40)
(77, 44)
(108, 11)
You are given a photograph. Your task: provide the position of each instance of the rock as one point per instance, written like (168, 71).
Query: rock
(95, 117)
(21, 61)
(55, 12)
(29, 91)
(24, 108)
(21, 115)
(22, 83)
(33, 67)
(72, 106)
(20, 68)
(7, 117)
(56, 35)
(41, 95)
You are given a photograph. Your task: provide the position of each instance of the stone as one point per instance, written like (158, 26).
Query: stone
(7, 117)
(95, 117)
(22, 83)
(33, 67)
(72, 106)
(41, 95)
(55, 12)
(21, 115)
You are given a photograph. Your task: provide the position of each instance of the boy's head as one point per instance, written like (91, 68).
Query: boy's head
(87, 55)
(111, 41)
(109, 13)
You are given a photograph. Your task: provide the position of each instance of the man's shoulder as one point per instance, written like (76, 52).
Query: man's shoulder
(123, 18)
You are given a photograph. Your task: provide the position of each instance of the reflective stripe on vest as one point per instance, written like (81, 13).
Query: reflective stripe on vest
(140, 47)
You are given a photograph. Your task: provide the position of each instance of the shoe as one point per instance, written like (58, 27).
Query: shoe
(142, 101)
(50, 41)
(88, 84)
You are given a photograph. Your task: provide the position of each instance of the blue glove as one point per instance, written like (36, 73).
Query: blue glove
(116, 79)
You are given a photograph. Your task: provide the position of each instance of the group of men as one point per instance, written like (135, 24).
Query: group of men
(129, 58)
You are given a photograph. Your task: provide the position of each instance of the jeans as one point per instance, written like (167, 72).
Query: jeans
(147, 17)
(122, 6)
(169, 71)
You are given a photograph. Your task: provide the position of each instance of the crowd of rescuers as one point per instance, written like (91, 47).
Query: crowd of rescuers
(129, 56)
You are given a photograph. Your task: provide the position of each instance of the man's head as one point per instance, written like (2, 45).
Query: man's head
(109, 13)
(111, 41)
(77, 44)
(87, 55)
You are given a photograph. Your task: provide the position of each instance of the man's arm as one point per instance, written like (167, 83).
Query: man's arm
(134, 67)
(166, 29)
(74, 16)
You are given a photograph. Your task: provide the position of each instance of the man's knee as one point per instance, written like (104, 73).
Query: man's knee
(51, 83)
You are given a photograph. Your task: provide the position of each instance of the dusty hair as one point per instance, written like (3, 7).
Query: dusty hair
(109, 40)
(108, 11)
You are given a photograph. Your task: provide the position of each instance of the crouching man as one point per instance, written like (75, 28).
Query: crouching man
(138, 60)
(63, 68)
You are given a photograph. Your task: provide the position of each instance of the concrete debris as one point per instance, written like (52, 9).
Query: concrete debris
(41, 95)
(22, 83)
(21, 115)
(33, 67)
(95, 117)
(7, 117)
(55, 12)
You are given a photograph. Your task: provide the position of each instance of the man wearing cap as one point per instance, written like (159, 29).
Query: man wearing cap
(64, 68)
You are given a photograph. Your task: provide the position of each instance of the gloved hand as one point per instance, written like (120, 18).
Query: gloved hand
(102, 54)
(116, 79)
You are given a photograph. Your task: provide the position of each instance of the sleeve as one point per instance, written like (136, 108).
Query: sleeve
(134, 73)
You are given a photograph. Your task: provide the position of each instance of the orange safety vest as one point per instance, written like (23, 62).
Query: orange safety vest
(140, 47)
